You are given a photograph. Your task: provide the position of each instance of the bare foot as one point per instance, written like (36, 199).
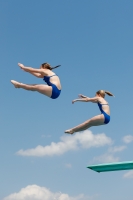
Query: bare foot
(15, 83)
(70, 131)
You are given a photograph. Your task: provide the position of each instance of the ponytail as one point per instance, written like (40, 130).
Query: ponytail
(109, 93)
(55, 67)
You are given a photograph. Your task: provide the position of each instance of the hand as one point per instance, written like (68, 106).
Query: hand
(21, 66)
(81, 96)
(73, 101)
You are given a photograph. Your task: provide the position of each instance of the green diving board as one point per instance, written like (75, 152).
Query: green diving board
(112, 166)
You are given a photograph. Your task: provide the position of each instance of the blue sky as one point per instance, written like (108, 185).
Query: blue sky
(93, 42)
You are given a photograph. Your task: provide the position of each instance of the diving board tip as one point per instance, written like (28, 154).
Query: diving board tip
(128, 165)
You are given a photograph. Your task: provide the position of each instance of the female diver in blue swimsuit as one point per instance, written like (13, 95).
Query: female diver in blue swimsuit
(101, 119)
(53, 87)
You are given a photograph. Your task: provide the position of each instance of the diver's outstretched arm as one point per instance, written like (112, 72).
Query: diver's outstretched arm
(32, 70)
(82, 96)
(38, 75)
(87, 99)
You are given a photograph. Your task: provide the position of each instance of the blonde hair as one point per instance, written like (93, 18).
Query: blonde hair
(48, 66)
(103, 92)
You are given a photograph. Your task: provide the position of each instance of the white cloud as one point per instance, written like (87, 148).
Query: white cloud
(117, 149)
(109, 155)
(35, 192)
(127, 139)
(106, 158)
(68, 142)
(128, 175)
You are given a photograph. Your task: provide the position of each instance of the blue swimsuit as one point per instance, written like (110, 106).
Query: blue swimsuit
(55, 91)
(106, 116)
